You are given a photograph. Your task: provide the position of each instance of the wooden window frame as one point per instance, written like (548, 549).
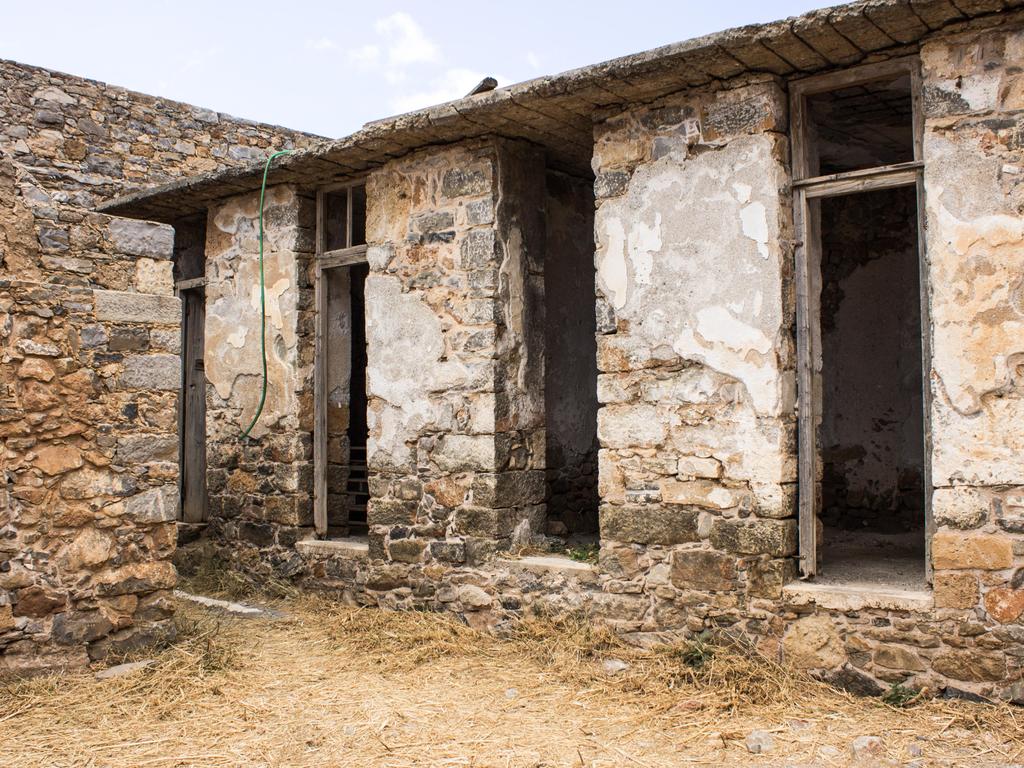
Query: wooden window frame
(324, 261)
(807, 188)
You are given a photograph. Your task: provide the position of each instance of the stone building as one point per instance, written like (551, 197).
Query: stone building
(90, 361)
(745, 311)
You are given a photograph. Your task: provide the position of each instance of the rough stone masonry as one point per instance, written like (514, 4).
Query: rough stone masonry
(90, 363)
(476, 219)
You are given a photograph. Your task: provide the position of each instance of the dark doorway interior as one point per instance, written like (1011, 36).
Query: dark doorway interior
(872, 423)
(358, 491)
(345, 370)
(570, 369)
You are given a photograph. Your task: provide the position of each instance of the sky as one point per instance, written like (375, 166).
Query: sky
(329, 67)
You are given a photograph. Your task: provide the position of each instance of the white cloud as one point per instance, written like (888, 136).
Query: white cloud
(451, 84)
(533, 60)
(365, 57)
(406, 41)
(321, 44)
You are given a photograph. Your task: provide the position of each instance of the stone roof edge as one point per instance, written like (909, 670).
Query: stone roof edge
(102, 84)
(722, 55)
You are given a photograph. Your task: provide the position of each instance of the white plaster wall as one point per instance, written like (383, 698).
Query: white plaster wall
(974, 192)
(691, 260)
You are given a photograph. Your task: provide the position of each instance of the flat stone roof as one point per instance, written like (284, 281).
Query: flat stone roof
(558, 111)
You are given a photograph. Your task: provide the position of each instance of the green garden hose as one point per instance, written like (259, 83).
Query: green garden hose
(263, 297)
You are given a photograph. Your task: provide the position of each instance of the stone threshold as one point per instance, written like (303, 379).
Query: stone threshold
(858, 596)
(352, 548)
(556, 564)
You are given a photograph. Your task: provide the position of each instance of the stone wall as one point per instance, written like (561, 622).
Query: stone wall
(260, 488)
(974, 191)
(455, 351)
(89, 371)
(89, 141)
(695, 312)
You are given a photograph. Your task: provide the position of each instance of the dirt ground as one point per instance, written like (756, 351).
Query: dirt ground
(325, 685)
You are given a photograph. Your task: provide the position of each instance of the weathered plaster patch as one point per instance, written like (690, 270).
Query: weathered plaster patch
(611, 267)
(405, 365)
(696, 268)
(755, 225)
(232, 339)
(644, 242)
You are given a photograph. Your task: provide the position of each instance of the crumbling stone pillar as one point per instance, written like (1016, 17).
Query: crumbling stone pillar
(455, 349)
(974, 188)
(695, 353)
(260, 488)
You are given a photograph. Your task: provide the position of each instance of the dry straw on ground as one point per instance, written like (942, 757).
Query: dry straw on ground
(336, 686)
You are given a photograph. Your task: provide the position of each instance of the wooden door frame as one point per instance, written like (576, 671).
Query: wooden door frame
(324, 261)
(809, 185)
(188, 291)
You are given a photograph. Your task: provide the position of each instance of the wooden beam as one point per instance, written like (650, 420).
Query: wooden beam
(924, 288)
(192, 282)
(865, 73)
(343, 257)
(878, 170)
(319, 383)
(882, 180)
(806, 442)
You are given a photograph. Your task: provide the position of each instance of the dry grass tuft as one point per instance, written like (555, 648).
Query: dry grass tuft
(337, 686)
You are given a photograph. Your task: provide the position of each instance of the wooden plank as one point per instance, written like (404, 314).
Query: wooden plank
(878, 170)
(926, 327)
(194, 282)
(843, 78)
(343, 257)
(183, 341)
(917, 110)
(806, 512)
(901, 178)
(193, 444)
(798, 135)
(319, 381)
(806, 458)
(348, 219)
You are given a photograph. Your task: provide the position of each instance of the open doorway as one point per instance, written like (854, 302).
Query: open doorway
(345, 368)
(861, 327)
(570, 368)
(871, 434)
(341, 429)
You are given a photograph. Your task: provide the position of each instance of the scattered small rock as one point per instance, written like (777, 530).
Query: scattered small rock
(829, 751)
(473, 597)
(759, 742)
(123, 669)
(867, 747)
(511, 693)
(915, 750)
(614, 666)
